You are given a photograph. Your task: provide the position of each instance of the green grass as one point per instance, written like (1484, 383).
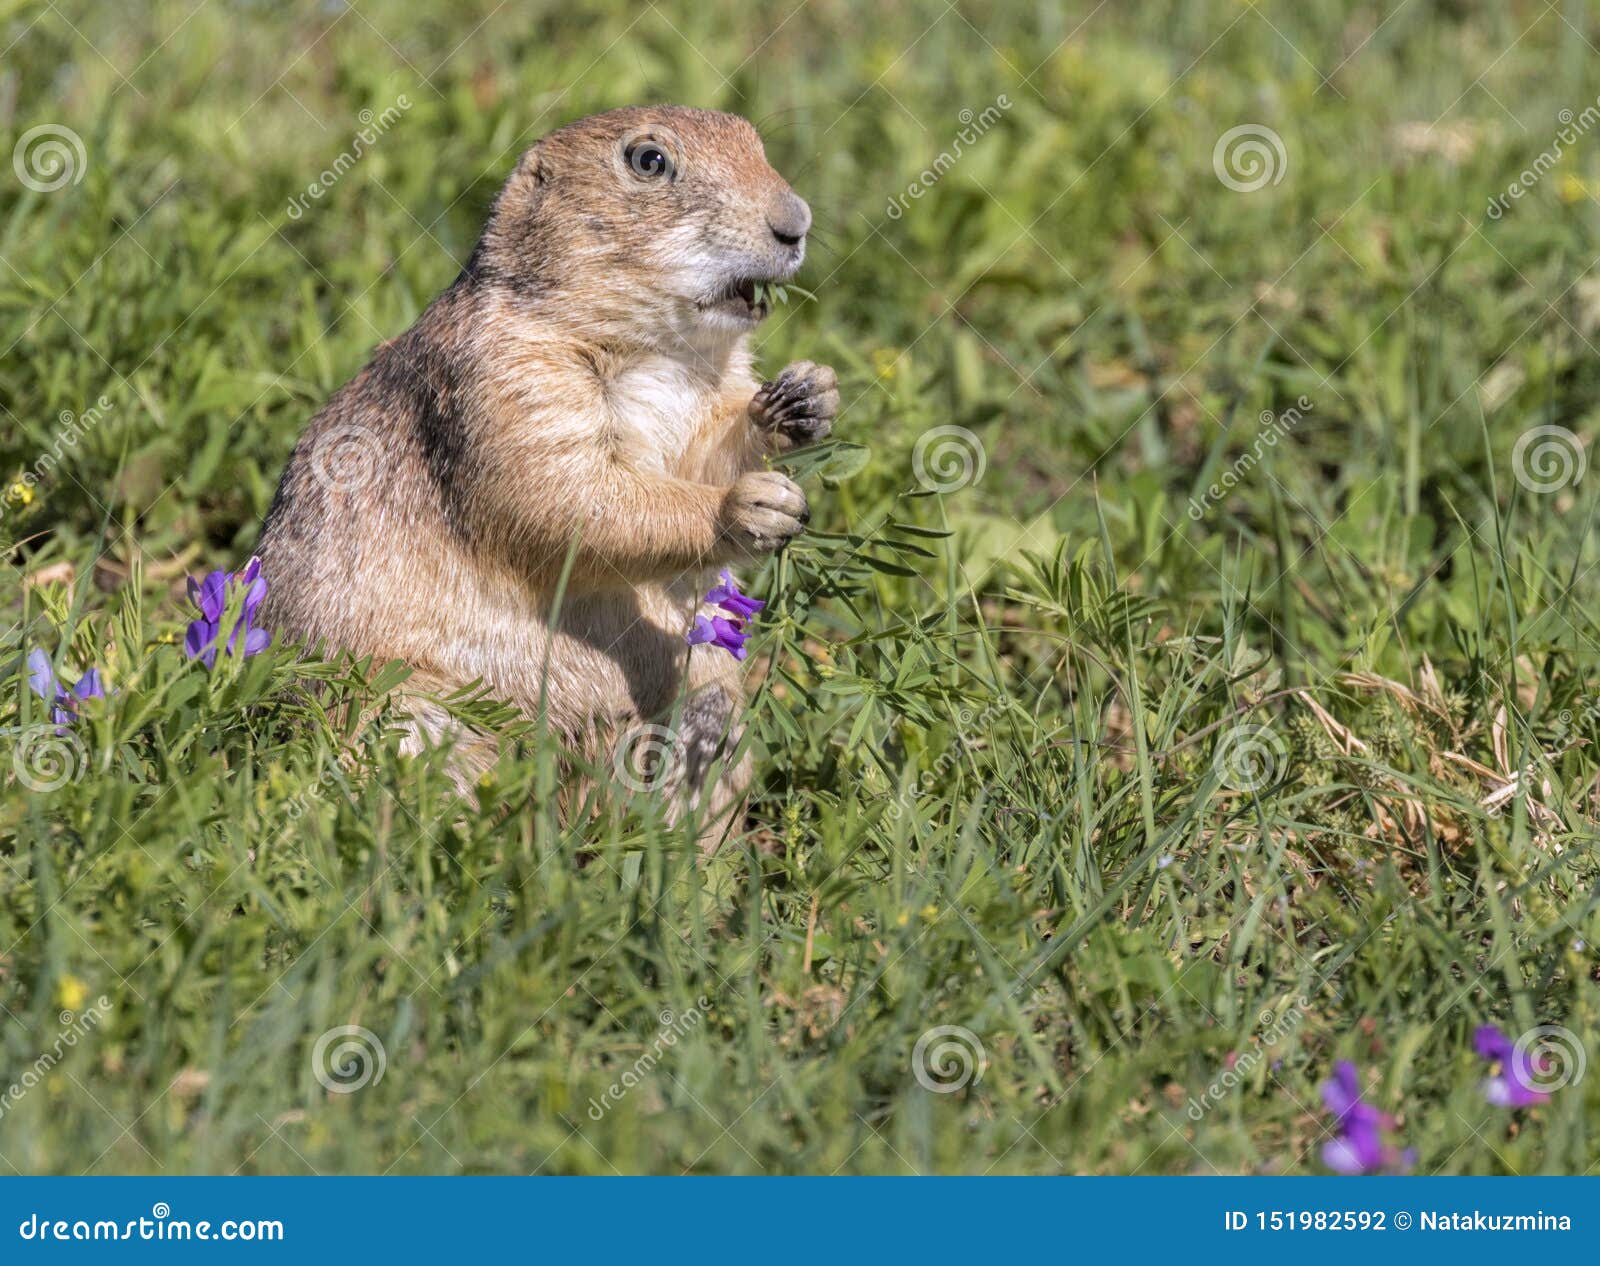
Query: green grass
(994, 779)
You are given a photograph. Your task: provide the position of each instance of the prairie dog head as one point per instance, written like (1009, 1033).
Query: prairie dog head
(649, 221)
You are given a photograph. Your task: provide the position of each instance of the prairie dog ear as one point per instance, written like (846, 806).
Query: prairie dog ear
(531, 167)
(524, 190)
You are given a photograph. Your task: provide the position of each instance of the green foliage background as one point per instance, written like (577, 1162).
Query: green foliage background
(993, 726)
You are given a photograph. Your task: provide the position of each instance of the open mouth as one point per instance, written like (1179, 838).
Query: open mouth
(743, 297)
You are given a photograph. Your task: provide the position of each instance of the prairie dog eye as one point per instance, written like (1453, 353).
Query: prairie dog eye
(649, 159)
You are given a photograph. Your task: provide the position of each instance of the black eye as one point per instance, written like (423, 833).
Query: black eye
(647, 159)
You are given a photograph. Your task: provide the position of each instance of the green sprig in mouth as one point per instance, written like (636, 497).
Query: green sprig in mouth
(770, 294)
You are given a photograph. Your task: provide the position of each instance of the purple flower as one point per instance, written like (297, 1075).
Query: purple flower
(90, 685)
(727, 596)
(1358, 1147)
(63, 703)
(210, 597)
(1515, 1086)
(728, 633)
(41, 676)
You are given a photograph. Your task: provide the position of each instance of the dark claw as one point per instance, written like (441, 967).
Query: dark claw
(799, 404)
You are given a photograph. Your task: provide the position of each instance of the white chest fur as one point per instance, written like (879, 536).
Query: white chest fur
(652, 405)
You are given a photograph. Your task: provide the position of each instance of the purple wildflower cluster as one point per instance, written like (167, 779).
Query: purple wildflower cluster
(1515, 1086)
(211, 597)
(728, 632)
(1358, 1147)
(63, 703)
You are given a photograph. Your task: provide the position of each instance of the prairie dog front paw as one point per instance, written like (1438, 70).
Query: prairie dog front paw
(800, 404)
(763, 511)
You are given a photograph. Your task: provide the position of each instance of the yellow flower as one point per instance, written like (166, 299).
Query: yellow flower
(71, 993)
(1575, 188)
(881, 59)
(902, 919)
(21, 491)
(884, 361)
(929, 913)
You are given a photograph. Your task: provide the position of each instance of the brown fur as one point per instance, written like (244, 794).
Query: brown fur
(580, 380)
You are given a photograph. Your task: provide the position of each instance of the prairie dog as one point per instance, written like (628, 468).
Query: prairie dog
(587, 378)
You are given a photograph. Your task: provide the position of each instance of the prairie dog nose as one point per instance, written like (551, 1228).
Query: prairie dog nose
(789, 218)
